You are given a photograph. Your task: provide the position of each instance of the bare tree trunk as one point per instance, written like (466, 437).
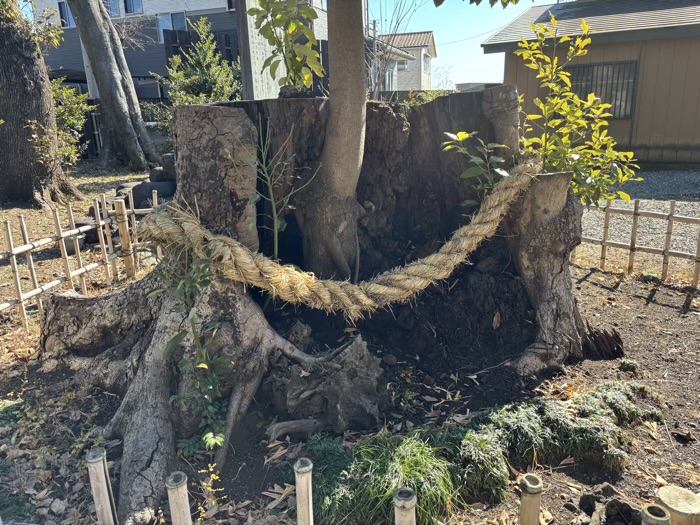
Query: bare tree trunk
(330, 210)
(118, 101)
(25, 98)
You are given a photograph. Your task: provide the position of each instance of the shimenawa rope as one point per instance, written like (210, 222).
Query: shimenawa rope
(172, 225)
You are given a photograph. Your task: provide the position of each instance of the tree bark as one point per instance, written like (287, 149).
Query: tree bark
(25, 98)
(118, 101)
(330, 208)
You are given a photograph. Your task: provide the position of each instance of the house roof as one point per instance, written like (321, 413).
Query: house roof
(416, 39)
(610, 21)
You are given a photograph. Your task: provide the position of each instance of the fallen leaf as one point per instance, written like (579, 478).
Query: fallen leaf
(661, 482)
(545, 517)
(496, 320)
(58, 506)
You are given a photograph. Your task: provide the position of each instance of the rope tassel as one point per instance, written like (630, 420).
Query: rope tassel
(172, 225)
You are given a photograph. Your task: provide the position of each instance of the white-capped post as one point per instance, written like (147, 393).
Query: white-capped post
(101, 487)
(530, 499)
(405, 507)
(654, 514)
(303, 470)
(178, 498)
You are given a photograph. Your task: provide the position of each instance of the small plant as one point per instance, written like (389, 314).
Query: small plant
(212, 496)
(185, 281)
(487, 167)
(286, 25)
(417, 98)
(278, 184)
(570, 133)
(629, 365)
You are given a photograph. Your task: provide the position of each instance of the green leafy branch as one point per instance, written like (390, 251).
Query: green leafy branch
(487, 167)
(286, 25)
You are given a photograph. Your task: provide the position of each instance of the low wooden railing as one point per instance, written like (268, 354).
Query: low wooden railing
(633, 247)
(106, 220)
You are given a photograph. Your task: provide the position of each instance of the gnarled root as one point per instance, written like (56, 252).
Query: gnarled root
(118, 342)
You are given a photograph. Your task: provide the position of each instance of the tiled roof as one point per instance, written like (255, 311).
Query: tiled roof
(406, 40)
(623, 19)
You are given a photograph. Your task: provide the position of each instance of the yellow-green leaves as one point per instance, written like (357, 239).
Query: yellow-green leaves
(286, 27)
(569, 133)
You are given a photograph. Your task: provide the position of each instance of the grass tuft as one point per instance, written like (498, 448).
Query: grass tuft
(448, 467)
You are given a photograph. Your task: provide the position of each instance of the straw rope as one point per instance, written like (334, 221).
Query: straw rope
(172, 225)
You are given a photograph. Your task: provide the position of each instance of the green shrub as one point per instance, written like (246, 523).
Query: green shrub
(483, 469)
(72, 110)
(570, 133)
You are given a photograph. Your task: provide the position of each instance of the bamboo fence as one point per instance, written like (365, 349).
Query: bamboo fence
(107, 221)
(633, 247)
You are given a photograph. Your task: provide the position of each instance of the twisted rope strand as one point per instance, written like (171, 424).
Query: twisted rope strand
(172, 225)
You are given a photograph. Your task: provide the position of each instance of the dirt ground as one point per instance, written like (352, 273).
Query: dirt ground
(660, 327)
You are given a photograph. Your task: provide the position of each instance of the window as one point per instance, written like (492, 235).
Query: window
(133, 6)
(231, 5)
(426, 64)
(67, 19)
(402, 65)
(612, 83)
(172, 22)
(112, 6)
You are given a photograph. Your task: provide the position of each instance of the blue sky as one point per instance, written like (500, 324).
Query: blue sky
(460, 29)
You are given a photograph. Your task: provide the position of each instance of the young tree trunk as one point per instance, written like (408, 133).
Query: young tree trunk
(330, 209)
(26, 106)
(118, 101)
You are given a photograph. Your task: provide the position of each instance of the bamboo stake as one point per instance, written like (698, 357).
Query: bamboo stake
(30, 261)
(62, 246)
(654, 514)
(101, 487)
(667, 244)
(76, 249)
(134, 238)
(154, 198)
(15, 276)
(606, 229)
(101, 238)
(682, 505)
(108, 232)
(178, 498)
(633, 238)
(530, 499)
(303, 469)
(696, 274)
(405, 507)
(127, 249)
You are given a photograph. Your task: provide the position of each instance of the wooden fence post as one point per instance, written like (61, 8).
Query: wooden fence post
(62, 246)
(405, 507)
(123, 225)
(606, 229)
(303, 469)
(633, 238)
(178, 498)
(154, 198)
(30, 262)
(108, 232)
(101, 238)
(530, 499)
(134, 238)
(667, 243)
(76, 249)
(15, 275)
(696, 273)
(101, 487)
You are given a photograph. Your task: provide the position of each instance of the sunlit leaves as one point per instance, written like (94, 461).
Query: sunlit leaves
(286, 27)
(569, 133)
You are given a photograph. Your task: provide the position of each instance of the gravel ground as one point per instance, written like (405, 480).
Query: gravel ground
(655, 194)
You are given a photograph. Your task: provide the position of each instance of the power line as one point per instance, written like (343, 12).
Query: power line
(469, 38)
